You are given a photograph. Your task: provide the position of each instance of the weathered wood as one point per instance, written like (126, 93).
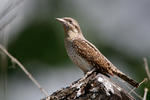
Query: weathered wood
(93, 86)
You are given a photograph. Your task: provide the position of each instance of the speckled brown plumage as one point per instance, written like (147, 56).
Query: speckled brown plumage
(97, 60)
(85, 55)
(93, 57)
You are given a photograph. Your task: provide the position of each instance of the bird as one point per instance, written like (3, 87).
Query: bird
(85, 55)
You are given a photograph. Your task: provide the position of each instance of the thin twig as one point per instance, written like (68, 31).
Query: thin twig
(10, 7)
(5, 13)
(7, 22)
(132, 89)
(145, 79)
(135, 93)
(146, 68)
(24, 69)
(145, 93)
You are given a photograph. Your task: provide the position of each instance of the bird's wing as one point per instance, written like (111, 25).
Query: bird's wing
(90, 53)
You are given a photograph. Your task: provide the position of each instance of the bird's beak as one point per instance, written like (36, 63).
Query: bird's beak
(61, 20)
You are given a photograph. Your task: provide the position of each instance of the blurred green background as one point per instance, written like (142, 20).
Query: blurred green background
(119, 29)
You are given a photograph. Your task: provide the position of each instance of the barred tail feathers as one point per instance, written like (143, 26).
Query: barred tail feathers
(125, 78)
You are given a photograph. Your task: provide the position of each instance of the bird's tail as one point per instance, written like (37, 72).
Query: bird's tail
(125, 78)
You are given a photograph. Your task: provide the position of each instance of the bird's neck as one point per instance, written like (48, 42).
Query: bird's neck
(74, 35)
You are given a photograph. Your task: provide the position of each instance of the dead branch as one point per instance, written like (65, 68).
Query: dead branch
(146, 68)
(93, 86)
(24, 69)
(145, 93)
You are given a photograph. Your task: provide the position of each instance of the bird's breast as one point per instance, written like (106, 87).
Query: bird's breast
(78, 60)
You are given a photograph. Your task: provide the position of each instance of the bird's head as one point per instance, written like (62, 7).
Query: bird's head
(71, 27)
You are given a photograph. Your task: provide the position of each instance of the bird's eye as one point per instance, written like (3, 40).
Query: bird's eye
(70, 21)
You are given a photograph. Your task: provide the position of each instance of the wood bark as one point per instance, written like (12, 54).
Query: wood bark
(93, 86)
